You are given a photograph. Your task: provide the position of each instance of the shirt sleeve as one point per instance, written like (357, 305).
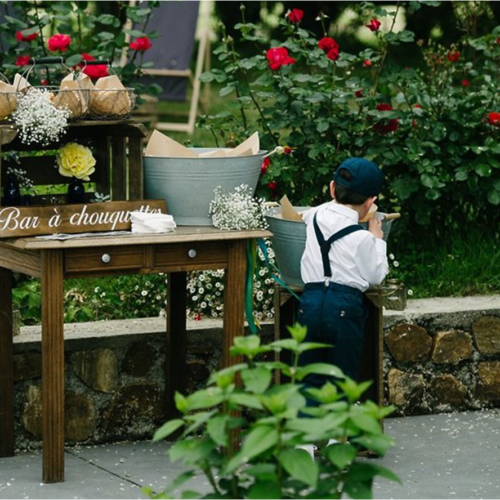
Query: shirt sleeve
(371, 259)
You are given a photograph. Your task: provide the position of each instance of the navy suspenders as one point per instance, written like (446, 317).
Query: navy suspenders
(326, 244)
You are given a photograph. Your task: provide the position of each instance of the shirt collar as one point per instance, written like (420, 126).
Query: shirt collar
(343, 210)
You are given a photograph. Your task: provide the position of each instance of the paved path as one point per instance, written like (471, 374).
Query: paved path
(454, 455)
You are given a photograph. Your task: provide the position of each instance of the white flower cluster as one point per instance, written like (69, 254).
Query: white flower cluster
(38, 119)
(237, 210)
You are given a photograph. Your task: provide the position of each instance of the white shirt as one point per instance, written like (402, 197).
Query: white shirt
(358, 260)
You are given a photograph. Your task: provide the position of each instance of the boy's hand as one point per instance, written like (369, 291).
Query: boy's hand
(375, 227)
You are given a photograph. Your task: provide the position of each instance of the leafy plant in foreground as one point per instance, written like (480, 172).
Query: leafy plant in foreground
(271, 420)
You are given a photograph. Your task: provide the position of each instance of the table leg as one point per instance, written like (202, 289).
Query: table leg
(175, 352)
(52, 366)
(6, 366)
(234, 300)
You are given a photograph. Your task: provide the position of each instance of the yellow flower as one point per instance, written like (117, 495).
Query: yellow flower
(75, 160)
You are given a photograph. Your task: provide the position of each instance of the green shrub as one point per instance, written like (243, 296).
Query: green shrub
(272, 420)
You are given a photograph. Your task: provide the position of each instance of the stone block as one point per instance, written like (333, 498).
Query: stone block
(488, 381)
(406, 390)
(133, 404)
(79, 415)
(409, 343)
(446, 389)
(97, 368)
(138, 359)
(197, 373)
(451, 347)
(27, 366)
(486, 331)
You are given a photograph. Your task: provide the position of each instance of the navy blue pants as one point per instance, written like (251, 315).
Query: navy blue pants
(334, 314)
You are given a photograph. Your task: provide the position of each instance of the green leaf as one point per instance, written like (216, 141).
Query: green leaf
(341, 455)
(298, 332)
(366, 423)
(319, 369)
(379, 444)
(494, 197)
(191, 451)
(228, 89)
(256, 380)
(248, 400)
(483, 169)
(217, 429)
(259, 440)
(181, 402)
(168, 428)
(205, 398)
(265, 489)
(300, 466)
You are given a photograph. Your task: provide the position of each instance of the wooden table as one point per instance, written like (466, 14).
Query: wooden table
(187, 249)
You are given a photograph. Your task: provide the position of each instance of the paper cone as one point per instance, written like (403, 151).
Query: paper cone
(20, 83)
(288, 212)
(110, 97)
(8, 100)
(161, 145)
(72, 96)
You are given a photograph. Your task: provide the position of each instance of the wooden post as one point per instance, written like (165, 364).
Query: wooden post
(52, 366)
(175, 352)
(6, 366)
(135, 175)
(118, 173)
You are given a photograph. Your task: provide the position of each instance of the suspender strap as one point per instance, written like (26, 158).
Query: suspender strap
(325, 245)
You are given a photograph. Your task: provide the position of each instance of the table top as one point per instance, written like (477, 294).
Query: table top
(182, 234)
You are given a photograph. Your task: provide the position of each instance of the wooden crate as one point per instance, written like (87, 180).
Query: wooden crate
(116, 145)
(371, 366)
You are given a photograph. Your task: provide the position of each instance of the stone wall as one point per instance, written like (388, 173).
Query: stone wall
(439, 355)
(443, 355)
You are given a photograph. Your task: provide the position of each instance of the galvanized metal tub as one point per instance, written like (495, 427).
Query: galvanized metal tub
(289, 241)
(187, 184)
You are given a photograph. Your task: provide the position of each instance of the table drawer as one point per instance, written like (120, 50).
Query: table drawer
(185, 254)
(103, 258)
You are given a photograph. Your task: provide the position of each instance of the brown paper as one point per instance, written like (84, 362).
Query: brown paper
(370, 214)
(110, 97)
(20, 83)
(161, 145)
(8, 100)
(288, 212)
(72, 95)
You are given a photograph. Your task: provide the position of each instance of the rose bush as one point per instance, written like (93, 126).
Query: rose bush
(79, 33)
(433, 126)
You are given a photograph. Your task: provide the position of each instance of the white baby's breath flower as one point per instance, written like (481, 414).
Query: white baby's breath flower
(39, 121)
(237, 210)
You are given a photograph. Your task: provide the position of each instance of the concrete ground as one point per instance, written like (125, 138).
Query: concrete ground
(455, 455)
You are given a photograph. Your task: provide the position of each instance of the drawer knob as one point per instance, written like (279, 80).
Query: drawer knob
(192, 253)
(106, 258)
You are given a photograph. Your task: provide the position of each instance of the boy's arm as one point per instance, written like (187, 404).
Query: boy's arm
(371, 257)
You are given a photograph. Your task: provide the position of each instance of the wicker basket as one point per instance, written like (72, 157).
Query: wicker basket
(107, 104)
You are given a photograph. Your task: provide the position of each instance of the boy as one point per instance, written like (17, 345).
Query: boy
(341, 260)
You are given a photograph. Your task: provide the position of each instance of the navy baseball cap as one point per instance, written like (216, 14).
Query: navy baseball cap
(366, 177)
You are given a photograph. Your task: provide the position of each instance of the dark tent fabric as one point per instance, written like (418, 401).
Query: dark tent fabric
(176, 24)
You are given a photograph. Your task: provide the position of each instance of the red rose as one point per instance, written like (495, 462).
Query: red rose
(498, 40)
(265, 164)
(419, 106)
(58, 43)
(141, 44)
(327, 43)
(272, 186)
(367, 63)
(278, 57)
(287, 150)
(295, 16)
(93, 72)
(385, 126)
(333, 54)
(22, 60)
(358, 93)
(373, 25)
(25, 38)
(44, 82)
(465, 83)
(453, 56)
(494, 119)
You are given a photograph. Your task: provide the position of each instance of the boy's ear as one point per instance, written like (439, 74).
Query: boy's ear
(332, 189)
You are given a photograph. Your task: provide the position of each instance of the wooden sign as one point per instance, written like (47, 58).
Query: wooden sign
(91, 217)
